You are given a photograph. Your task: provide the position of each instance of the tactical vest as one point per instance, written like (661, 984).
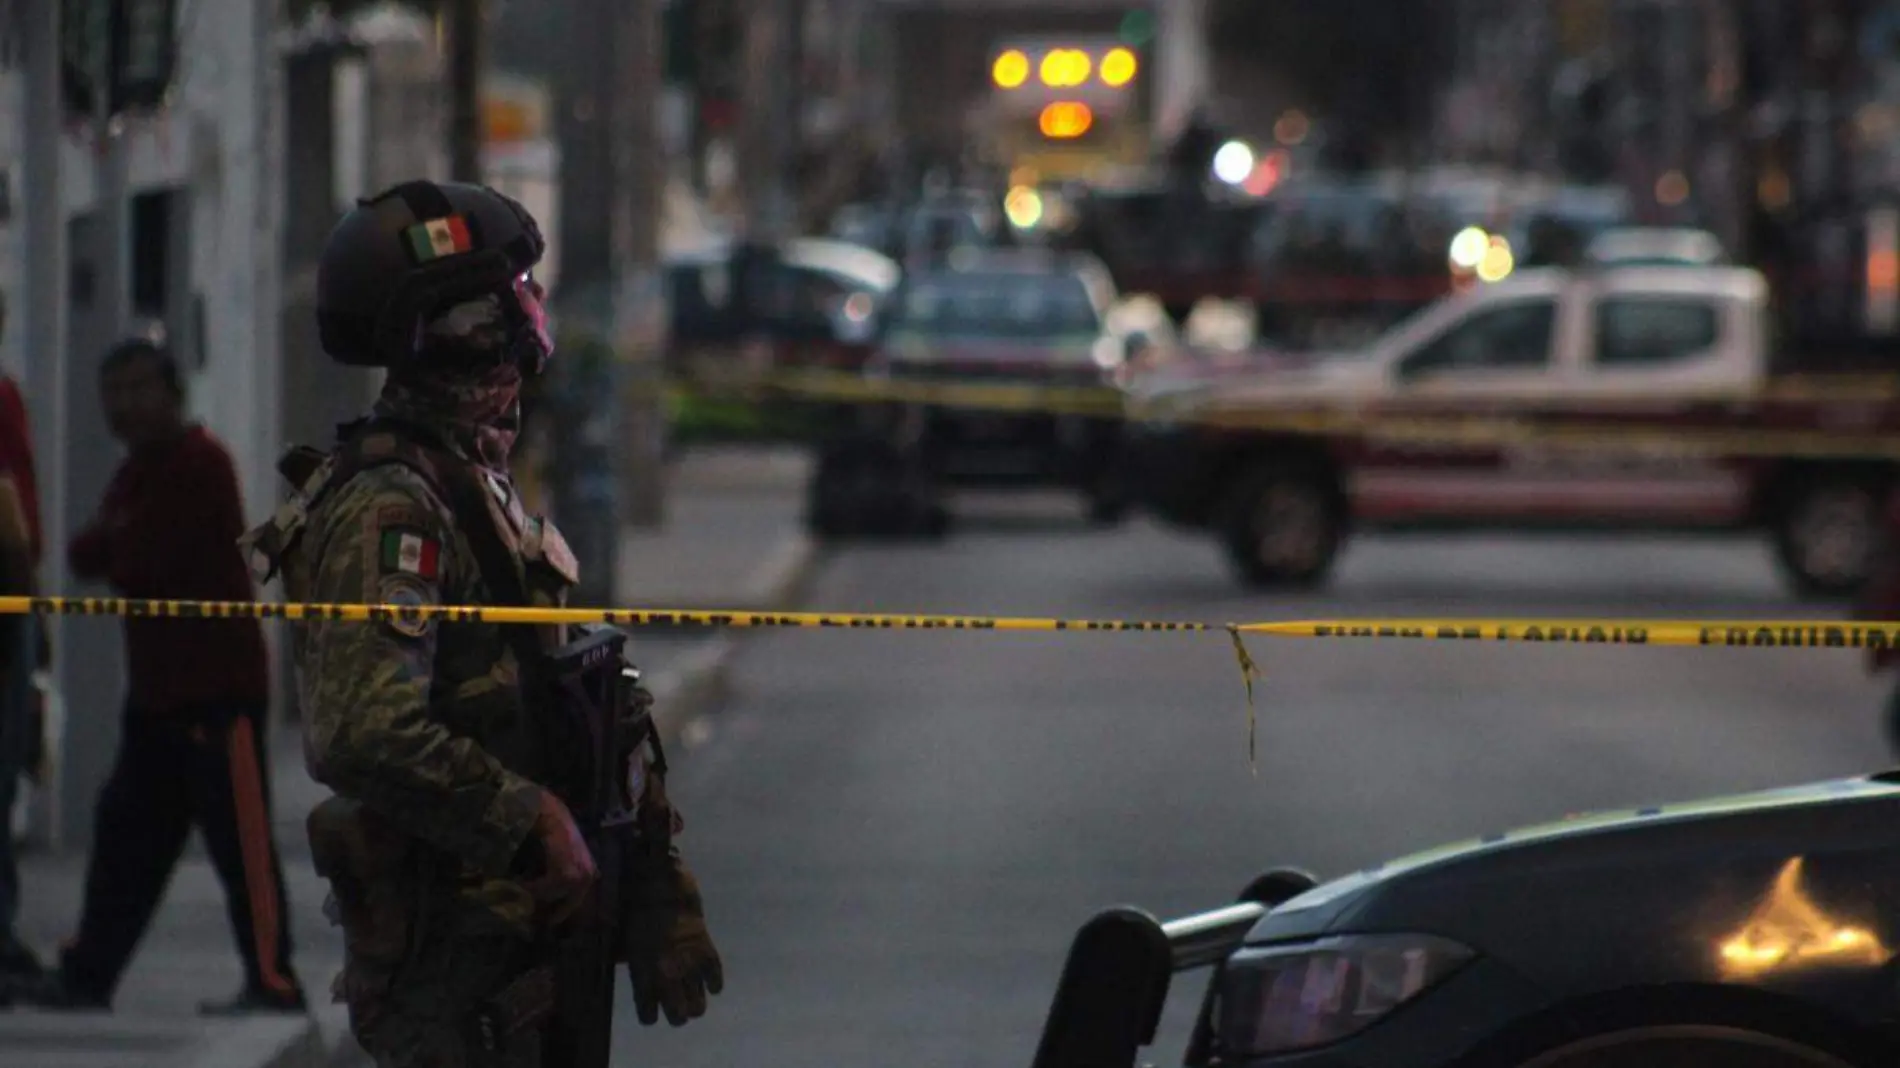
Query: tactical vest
(482, 673)
(382, 882)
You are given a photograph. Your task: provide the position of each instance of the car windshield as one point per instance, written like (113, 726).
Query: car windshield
(1000, 304)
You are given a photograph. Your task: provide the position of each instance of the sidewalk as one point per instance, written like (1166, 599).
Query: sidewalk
(733, 539)
(733, 536)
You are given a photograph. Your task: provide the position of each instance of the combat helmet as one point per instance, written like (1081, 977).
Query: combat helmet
(419, 248)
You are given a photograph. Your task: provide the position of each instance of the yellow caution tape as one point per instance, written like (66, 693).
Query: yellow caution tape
(1560, 423)
(1752, 634)
(1781, 634)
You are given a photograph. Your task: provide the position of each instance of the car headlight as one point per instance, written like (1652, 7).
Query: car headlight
(1276, 999)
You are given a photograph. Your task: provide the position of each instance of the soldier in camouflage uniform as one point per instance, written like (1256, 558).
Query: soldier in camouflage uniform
(449, 865)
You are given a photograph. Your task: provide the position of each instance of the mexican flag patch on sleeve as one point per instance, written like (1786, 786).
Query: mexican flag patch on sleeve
(411, 553)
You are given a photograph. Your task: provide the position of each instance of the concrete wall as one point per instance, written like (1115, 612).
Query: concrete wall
(219, 141)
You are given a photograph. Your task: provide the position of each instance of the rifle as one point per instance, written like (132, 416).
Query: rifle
(596, 723)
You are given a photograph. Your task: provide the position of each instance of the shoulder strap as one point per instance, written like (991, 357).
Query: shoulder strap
(455, 479)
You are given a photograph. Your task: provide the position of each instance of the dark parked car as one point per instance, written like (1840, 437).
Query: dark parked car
(1012, 319)
(1744, 932)
(809, 301)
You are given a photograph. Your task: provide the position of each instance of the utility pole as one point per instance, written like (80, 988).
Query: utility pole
(640, 308)
(42, 315)
(791, 125)
(467, 33)
(84, 765)
(762, 138)
(608, 434)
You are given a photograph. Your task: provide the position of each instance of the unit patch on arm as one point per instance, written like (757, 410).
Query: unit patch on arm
(406, 596)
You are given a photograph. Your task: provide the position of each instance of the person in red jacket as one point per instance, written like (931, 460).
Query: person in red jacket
(23, 652)
(196, 699)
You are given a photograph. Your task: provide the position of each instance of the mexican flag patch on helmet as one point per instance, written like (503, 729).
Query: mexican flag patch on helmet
(437, 238)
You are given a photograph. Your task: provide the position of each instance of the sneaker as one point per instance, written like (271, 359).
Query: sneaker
(255, 1000)
(52, 990)
(17, 959)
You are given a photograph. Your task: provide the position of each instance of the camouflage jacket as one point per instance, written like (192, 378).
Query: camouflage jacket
(424, 724)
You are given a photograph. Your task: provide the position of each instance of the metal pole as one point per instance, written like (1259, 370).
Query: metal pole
(642, 472)
(587, 429)
(92, 720)
(42, 312)
(467, 50)
(110, 210)
(764, 56)
(789, 144)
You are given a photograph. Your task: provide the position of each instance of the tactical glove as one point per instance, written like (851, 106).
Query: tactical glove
(669, 953)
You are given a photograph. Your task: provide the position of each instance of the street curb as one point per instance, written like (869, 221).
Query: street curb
(338, 1046)
(697, 688)
(693, 689)
(259, 1043)
(787, 574)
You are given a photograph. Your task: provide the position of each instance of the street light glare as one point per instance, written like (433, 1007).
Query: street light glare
(1469, 247)
(1023, 205)
(1498, 261)
(1234, 162)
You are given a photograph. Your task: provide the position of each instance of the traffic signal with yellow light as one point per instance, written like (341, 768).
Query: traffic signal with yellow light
(1066, 120)
(1065, 68)
(1010, 70)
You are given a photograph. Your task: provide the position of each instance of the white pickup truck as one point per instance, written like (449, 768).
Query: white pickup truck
(1636, 398)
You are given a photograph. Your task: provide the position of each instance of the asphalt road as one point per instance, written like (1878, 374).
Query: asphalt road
(898, 833)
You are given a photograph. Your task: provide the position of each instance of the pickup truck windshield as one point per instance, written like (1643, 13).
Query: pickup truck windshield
(1005, 304)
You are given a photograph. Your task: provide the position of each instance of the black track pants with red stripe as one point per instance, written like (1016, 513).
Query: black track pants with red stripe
(203, 769)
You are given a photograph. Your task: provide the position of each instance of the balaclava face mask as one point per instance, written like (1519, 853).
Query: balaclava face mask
(464, 380)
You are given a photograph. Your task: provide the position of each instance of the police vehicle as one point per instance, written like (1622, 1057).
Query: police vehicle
(1755, 931)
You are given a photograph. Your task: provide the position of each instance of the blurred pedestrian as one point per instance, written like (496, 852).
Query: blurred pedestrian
(192, 749)
(23, 651)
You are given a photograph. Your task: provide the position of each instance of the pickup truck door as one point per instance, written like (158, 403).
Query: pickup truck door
(1480, 370)
(1654, 357)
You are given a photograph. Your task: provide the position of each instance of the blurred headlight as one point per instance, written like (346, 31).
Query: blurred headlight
(1283, 998)
(1107, 353)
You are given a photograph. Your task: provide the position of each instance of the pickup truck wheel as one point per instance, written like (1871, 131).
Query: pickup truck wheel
(1282, 526)
(1825, 536)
